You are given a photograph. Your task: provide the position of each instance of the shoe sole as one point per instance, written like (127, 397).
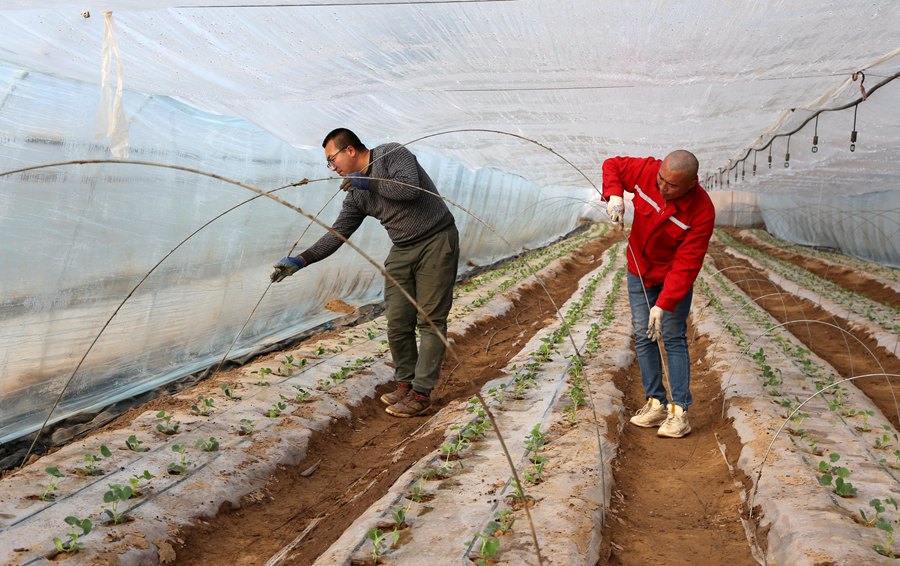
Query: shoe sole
(405, 415)
(651, 425)
(683, 434)
(384, 399)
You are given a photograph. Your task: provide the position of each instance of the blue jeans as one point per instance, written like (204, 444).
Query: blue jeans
(674, 337)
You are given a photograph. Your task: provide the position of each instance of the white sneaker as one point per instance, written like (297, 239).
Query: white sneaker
(652, 414)
(676, 424)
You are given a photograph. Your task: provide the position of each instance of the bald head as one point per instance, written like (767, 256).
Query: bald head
(677, 174)
(683, 161)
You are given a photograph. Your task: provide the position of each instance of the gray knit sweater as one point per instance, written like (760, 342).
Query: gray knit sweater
(408, 214)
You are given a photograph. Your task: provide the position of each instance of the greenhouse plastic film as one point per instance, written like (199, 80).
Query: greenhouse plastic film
(81, 238)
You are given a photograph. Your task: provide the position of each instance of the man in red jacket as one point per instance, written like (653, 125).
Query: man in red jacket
(673, 222)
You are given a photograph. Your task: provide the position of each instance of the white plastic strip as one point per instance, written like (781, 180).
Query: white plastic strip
(111, 116)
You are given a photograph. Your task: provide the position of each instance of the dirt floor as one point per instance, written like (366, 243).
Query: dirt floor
(674, 500)
(357, 458)
(844, 353)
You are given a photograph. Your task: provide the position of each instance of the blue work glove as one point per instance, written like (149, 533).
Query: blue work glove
(287, 266)
(355, 181)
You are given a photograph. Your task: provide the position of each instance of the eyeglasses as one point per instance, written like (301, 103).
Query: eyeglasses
(330, 160)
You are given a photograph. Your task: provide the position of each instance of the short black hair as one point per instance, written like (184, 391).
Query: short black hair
(342, 138)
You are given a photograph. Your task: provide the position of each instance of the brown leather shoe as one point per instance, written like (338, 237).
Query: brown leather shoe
(413, 405)
(401, 390)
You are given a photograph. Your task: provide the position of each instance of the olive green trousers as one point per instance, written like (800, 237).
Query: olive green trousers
(426, 271)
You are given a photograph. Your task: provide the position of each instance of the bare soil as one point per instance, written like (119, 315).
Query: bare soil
(359, 458)
(845, 354)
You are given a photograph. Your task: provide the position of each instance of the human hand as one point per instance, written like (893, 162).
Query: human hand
(355, 181)
(654, 325)
(615, 209)
(287, 266)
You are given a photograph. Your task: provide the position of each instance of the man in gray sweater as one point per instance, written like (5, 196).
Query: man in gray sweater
(388, 183)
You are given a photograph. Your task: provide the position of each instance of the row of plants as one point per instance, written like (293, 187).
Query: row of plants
(830, 472)
(849, 262)
(119, 496)
(487, 541)
(462, 439)
(886, 317)
(523, 268)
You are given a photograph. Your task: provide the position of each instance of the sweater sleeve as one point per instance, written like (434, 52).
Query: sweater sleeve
(349, 219)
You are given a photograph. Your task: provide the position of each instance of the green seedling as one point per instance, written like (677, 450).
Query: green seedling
(518, 495)
(53, 486)
(504, 521)
(865, 415)
(497, 393)
(135, 481)
(836, 476)
(263, 373)
(535, 441)
(340, 375)
(885, 441)
(475, 407)
(202, 407)
(814, 447)
(303, 395)
(888, 536)
(286, 368)
(488, 548)
(116, 495)
(167, 427)
(417, 494)
(436, 473)
(228, 389)
(319, 351)
(133, 444)
(276, 409)
(181, 466)
(371, 334)
(380, 542)
(534, 474)
(798, 419)
(207, 444)
(246, 427)
(72, 545)
(879, 508)
(92, 460)
(772, 376)
(399, 517)
(360, 363)
(837, 404)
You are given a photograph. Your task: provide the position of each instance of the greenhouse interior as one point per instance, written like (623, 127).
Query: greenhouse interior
(213, 353)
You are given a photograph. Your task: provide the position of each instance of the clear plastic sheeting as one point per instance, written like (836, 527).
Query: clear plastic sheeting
(80, 238)
(863, 225)
(511, 106)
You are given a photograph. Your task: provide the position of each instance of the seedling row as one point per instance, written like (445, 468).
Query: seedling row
(462, 501)
(816, 450)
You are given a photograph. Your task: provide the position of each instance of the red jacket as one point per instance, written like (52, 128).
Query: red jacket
(668, 238)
